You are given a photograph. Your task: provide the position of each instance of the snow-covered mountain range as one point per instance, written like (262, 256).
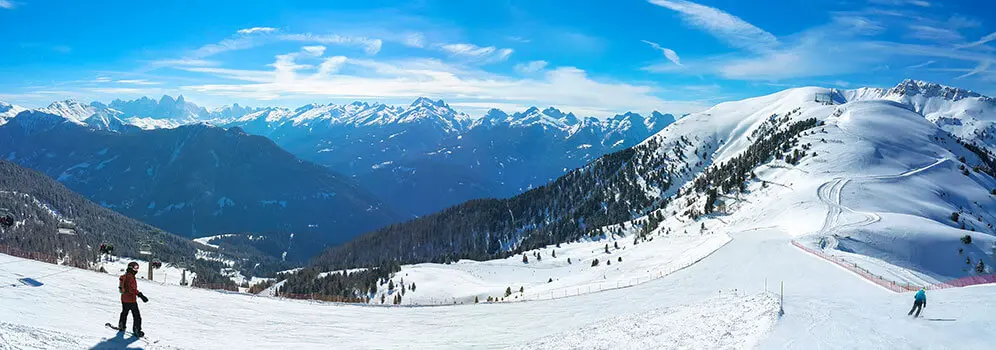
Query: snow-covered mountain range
(426, 156)
(863, 176)
(422, 157)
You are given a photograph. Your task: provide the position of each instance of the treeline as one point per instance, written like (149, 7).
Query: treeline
(34, 199)
(609, 190)
(352, 286)
(36, 202)
(775, 144)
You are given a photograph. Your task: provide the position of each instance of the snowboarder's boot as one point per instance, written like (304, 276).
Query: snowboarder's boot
(138, 333)
(121, 327)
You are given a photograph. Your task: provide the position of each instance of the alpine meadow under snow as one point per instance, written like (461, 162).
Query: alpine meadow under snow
(889, 181)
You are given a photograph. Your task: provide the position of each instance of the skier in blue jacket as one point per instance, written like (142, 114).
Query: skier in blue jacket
(919, 302)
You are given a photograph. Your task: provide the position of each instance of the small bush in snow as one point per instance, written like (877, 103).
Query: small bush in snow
(981, 267)
(955, 216)
(508, 291)
(525, 259)
(476, 300)
(594, 263)
(966, 239)
(568, 261)
(550, 281)
(608, 262)
(554, 254)
(620, 259)
(617, 245)
(606, 248)
(390, 286)
(523, 289)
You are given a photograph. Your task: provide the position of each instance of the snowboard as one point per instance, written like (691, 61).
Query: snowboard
(145, 339)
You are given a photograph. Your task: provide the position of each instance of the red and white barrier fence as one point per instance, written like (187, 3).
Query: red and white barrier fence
(898, 287)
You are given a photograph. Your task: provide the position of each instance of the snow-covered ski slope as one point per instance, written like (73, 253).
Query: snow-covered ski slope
(826, 307)
(879, 191)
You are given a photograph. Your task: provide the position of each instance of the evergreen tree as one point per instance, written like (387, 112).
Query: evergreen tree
(981, 267)
(476, 300)
(523, 289)
(508, 291)
(594, 263)
(617, 245)
(550, 281)
(390, 286)
(568, 261)
(606, 248)
(525, 259)
(554, 254)
(383, 298)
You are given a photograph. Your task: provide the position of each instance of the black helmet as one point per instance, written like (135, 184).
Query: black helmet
(132, 265)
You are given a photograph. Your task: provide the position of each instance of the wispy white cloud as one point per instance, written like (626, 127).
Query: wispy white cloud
(982, 41)
(230, 44)
(137, 82)
(518, 39)
(255, 30)
(102, 80)
(849, 44)
(183, 62)
(317, 50)
(415, 40)
(959, 22)
(930, 33)
(922, 65)
(331, 65)
(668, 53)
(488, 54)
(370, 46)
(349, 78)
(727, 27)
(530, 67)
(919, 3)
(981, 68)
(855, 24)
(7, 4)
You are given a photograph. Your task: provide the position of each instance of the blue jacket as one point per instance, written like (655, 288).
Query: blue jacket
(920, 296)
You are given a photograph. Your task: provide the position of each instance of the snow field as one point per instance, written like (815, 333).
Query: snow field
(462, 281)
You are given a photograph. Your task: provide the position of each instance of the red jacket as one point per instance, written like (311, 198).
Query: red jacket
(128, 288)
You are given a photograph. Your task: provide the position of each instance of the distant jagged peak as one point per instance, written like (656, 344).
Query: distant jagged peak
(912, 87)
(425, 101)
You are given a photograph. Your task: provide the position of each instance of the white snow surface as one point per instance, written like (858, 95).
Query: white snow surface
(464, 280)
(879, 193)
(149, 123)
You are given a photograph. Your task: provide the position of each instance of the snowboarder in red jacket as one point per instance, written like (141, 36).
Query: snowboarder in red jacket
(129, 291)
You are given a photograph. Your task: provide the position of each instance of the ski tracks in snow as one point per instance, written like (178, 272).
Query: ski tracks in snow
(830, 194)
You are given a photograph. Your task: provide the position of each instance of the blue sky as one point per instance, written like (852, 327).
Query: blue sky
(590, 57)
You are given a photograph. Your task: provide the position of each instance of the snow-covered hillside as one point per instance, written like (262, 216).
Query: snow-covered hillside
(551, 272)
(8, 111)
(718, 302)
